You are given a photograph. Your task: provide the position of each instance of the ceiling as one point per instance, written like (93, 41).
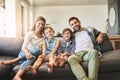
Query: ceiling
(66, 2)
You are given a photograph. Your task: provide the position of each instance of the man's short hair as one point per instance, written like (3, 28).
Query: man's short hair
(71, 18)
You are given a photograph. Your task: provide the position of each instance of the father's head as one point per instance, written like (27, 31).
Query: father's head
(75, 23)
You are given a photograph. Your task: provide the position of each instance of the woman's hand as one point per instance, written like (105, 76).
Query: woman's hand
(29, 56)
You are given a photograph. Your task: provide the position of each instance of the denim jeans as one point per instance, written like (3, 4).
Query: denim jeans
(93, 64)
(26, 62)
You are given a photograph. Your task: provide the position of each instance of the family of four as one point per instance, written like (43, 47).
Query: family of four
(75, 47)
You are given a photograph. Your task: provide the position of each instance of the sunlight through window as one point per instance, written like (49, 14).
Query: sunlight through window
(2, 21)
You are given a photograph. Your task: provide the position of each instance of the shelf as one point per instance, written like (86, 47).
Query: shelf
(115, 40)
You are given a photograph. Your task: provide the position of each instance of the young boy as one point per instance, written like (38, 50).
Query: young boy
(67, 47)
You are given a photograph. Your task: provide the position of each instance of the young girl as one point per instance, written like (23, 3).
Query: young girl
(31, 48)
(67, 47)
(51, 45)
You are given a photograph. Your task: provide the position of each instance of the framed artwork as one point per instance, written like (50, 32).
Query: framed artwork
(112, 16)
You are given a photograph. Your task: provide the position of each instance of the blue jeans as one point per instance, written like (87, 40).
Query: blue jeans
(26, 62)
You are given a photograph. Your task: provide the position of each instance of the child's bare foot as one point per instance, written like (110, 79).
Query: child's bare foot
(1, 62)
(56, 61)
(5, 63)
(16, 78)
(32, 70)
(62, 62)
(49, 67)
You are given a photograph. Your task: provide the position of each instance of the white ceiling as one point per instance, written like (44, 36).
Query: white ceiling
(66, 2)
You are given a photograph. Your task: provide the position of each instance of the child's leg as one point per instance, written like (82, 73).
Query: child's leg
(23, 68)
(36, 65)
(63, 61)
(66, 58)
(50, 64)
(56, 61)
(20, 57)
(18, 75)
(9, 62)
(57, 58)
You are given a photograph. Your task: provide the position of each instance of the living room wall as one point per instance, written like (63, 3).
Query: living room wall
(57, 16)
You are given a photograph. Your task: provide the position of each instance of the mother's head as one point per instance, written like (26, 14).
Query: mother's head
(39, 24)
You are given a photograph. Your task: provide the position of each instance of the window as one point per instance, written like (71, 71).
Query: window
(2, 21)
(2, 18)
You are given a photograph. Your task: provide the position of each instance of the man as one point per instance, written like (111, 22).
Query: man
(85, 50)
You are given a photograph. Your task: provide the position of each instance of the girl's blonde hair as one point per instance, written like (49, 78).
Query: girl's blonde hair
(48, 27)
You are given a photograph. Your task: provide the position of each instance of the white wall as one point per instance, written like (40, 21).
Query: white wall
(89, 15)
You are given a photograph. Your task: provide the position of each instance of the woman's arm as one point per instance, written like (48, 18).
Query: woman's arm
(27, 40)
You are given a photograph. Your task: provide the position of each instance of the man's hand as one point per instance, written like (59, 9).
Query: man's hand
(100, 38)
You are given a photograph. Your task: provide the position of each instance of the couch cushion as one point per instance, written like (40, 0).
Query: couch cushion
(110, 61)
(5, 70)
(10, 46)
(106, 45)
(63, 71)
(42, 72)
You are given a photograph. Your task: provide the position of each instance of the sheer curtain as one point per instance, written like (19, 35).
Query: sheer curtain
(2, 21)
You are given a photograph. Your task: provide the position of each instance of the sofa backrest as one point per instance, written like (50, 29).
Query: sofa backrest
(10, 46)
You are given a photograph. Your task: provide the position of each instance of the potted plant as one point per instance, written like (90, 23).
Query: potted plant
(58, 34)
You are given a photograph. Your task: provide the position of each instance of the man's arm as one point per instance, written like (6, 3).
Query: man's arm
(98, 35)
(99, 39)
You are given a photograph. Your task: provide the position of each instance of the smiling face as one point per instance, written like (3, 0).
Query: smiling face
(49, 32)
(75, 24)
(39, 26)
(67, 35)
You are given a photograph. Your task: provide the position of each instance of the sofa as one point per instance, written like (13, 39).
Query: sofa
(109, 68)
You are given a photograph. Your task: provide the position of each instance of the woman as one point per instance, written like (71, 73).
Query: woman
(31, 48)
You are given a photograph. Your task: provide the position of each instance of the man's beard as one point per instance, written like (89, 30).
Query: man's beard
(76, 29)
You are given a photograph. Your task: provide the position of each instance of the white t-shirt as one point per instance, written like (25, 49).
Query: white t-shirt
(83, 41)
(32, 39)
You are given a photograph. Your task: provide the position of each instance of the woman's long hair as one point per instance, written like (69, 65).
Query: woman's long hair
(38, 19)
